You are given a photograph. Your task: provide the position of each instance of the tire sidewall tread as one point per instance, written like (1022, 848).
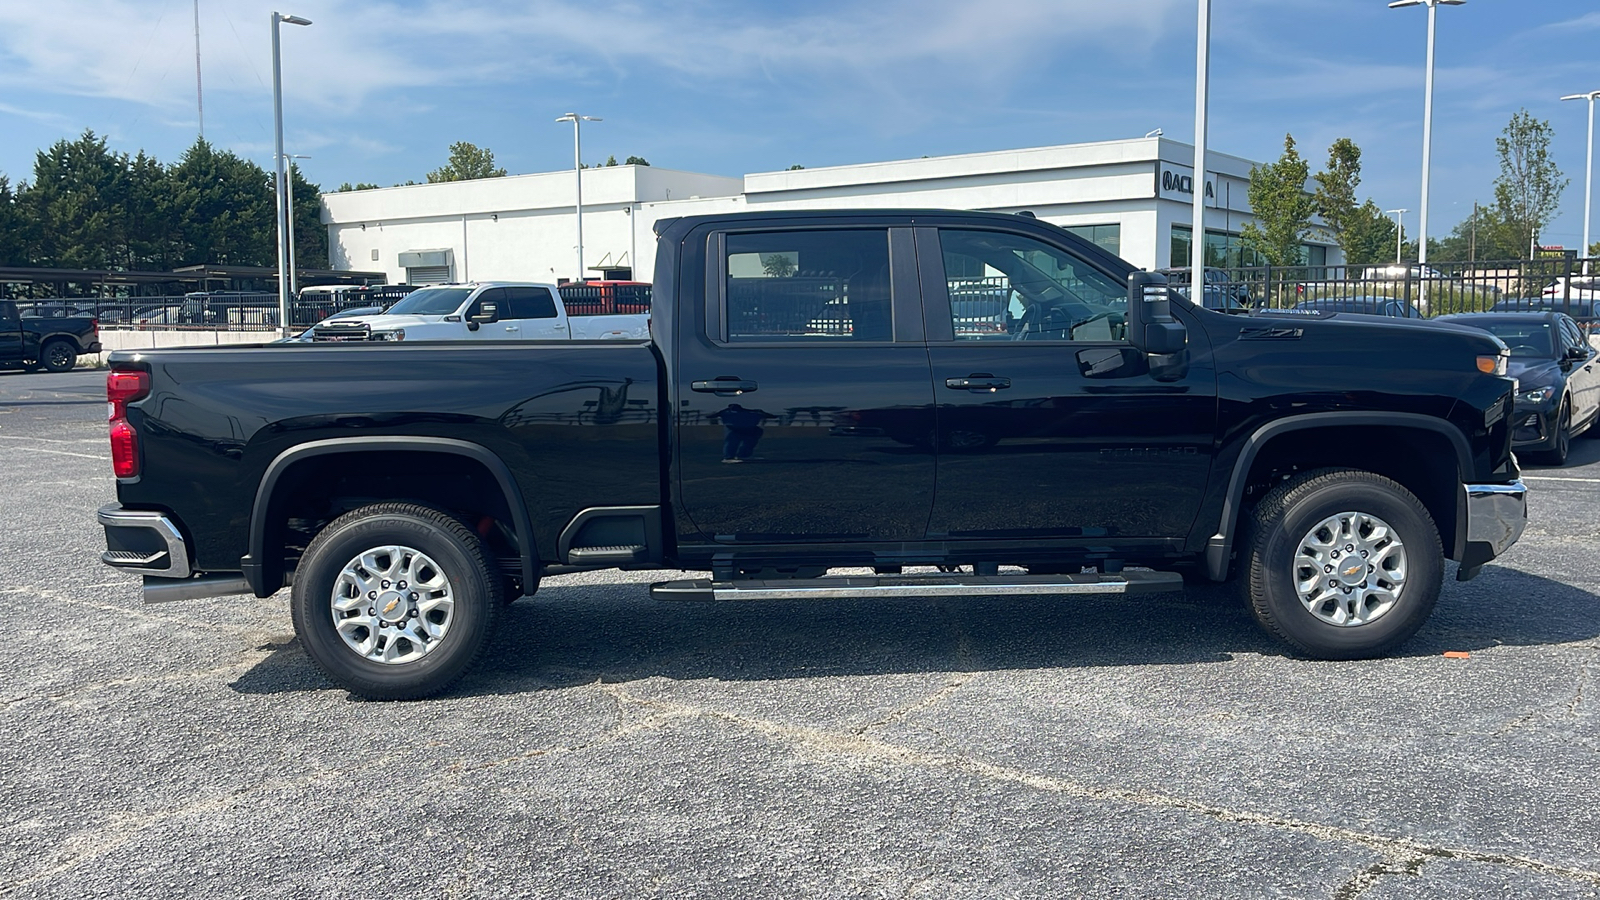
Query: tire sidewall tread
(1288, 512)
(475, 583)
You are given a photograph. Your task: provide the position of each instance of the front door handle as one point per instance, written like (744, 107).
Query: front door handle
(723, 387)
(978, 383)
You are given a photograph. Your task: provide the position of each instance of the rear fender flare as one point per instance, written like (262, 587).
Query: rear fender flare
(264, 583)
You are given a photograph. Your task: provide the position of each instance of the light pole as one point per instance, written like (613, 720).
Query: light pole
(577, 174)
(294, 278)
(1427, 117)
(1588, 173)
(277, 156)
(1399, 230)
(1202, 88)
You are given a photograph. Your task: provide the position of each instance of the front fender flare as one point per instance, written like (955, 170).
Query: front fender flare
(1219, 547)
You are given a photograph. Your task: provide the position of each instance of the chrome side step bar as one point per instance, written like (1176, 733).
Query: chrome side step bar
(840, 587)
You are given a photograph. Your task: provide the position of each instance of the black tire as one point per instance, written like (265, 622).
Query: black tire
(1557, 454)
(58, 356)
(1273, 560)
(475, 587)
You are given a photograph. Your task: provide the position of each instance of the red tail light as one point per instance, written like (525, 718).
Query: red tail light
(123, 386)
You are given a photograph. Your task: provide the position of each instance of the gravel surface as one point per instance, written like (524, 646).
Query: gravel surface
(611, 746)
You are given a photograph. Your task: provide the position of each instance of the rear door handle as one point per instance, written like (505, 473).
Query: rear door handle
(978, 383)
(723, 387)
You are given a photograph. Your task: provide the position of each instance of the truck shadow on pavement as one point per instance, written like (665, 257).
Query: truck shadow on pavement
(575, 634)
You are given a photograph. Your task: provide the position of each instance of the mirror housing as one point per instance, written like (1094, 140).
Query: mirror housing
(488, 313)
(1151, 327)
(1577, 353)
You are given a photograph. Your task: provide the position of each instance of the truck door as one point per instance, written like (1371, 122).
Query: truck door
(10, 332)
(502, 328)
(803, 402)
(532, 311)
(1049, 423)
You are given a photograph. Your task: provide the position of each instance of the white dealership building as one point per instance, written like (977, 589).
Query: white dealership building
(1132, 197)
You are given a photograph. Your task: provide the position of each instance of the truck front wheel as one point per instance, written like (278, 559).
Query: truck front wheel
(1342, 564)
(395, 601)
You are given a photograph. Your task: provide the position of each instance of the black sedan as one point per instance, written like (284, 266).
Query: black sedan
(1558, 392)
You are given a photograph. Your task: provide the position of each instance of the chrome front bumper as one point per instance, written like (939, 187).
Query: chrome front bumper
(1496, 514)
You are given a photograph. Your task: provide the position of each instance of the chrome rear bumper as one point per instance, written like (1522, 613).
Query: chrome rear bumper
(144, 541)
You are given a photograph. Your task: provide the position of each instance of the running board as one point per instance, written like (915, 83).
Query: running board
(838, 587)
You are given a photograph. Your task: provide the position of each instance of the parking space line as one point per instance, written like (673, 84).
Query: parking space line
(68, 453)
(1560, 478)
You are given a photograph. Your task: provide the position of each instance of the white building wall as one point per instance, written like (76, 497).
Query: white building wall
(518, 227)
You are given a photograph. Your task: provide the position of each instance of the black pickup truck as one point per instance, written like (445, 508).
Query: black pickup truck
(49, 341)
(958, 403)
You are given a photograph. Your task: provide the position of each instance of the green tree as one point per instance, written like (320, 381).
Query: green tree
(796, 167)
(1481, 236)
(777, 265)
(310, 237)
(636, 161)
(611, 160)
(1528, 191)
(1368, 236)
(13, 237)
(358, 186)
(1281, 206)
(77, 205)
(467, 162)
(223, 209)
(1336, 187)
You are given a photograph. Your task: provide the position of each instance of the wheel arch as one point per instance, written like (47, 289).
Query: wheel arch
(265, 571)
(1286, 442)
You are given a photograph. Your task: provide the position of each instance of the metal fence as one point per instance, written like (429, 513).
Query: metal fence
(1571, 286)
(1413, 290)
(606, 298)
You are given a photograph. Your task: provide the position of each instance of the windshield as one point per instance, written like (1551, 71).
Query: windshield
(439, 301)
(1526, 339)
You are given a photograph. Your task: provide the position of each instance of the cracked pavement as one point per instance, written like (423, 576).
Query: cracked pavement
(611, 746)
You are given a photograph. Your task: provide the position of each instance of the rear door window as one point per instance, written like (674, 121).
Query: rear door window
(812, 285)
(528, 303)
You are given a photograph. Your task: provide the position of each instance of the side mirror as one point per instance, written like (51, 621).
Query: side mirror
(1577, 353)
(1151, 327)
(488, 313)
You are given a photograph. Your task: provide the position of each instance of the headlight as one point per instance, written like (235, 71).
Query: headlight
(399, 334)
(1538, 395)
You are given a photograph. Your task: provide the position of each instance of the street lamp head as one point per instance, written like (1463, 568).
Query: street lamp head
(1592, 95)
(1399, 3)
(291, 20)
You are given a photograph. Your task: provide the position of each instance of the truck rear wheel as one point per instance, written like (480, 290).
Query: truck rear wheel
(58, 356)
(395, 601)
(1342, 564)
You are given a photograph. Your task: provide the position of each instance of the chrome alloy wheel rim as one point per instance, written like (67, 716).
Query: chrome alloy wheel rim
(1350, 569)
(392, 604)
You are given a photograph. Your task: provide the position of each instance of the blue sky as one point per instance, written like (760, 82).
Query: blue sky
(376, 90)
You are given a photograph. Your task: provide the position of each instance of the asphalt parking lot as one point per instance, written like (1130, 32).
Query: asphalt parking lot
(612, 746)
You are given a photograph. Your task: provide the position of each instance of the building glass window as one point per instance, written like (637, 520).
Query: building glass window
(1107, 237)
(1223, 250)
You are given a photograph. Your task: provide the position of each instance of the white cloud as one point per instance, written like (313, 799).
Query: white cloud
(141, 51)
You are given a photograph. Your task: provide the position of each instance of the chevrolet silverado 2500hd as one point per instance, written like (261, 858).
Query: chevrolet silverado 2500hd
(983, 395)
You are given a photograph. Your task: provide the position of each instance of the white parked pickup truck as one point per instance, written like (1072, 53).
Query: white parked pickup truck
(484, 311)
